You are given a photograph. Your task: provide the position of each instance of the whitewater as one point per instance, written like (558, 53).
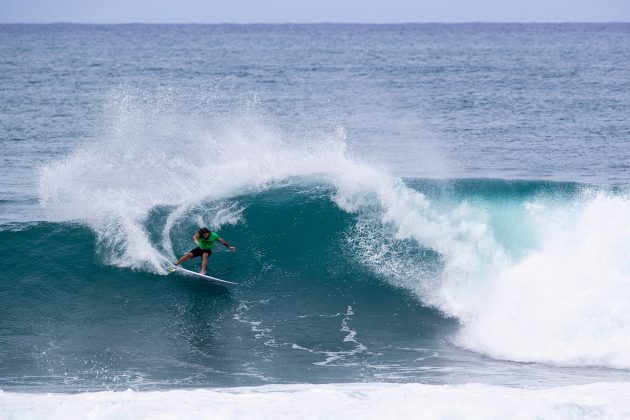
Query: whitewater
(359, 400)
(383, 270)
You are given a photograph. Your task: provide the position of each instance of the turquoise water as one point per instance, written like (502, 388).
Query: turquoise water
(440, 204)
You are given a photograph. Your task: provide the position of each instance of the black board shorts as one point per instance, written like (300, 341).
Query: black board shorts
(198, 252)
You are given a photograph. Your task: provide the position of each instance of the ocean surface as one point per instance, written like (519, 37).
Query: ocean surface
(422, 214)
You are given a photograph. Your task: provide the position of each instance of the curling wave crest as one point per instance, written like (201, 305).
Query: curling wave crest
(536, 273)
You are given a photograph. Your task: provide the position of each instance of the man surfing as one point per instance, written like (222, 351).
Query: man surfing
(205, 240)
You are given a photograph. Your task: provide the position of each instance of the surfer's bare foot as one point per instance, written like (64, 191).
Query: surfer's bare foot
(203, 272)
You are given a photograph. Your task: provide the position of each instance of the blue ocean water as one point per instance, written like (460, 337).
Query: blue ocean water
(429, 204)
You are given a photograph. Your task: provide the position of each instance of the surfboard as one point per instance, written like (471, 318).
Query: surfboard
(214, 280)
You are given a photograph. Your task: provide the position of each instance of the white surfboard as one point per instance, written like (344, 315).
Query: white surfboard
(214, 280)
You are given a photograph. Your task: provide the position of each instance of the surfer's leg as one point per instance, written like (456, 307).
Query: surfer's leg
(204, 262)
(196, 252)
(184, 258)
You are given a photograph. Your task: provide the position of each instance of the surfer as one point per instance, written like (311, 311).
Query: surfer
(205, 239)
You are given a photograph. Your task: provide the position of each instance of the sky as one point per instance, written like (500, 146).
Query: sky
(312, 11)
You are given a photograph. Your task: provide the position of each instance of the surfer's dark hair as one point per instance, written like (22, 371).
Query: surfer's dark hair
(203, 230)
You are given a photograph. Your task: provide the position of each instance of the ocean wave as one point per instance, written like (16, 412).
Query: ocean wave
(533, 271)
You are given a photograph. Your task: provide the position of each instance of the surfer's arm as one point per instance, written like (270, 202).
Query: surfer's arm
(195, 237)
(225, 244)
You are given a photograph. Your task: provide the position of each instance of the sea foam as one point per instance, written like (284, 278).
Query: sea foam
(365, 401)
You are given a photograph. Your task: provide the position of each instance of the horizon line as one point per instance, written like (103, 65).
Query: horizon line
(323, 23)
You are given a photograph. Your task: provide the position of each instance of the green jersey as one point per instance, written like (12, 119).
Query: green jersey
(207, 243)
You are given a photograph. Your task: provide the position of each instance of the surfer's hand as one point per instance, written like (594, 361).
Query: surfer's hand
(232, 249)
